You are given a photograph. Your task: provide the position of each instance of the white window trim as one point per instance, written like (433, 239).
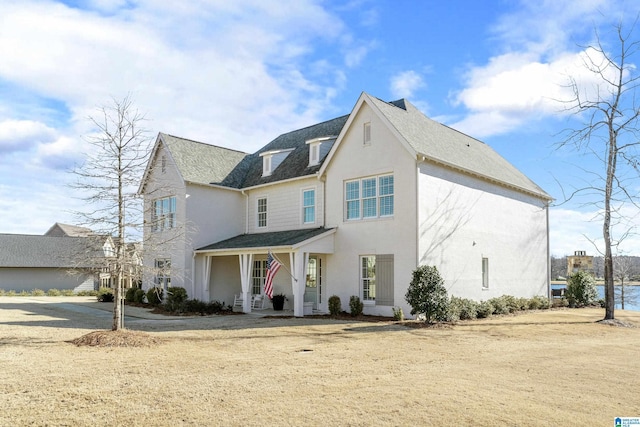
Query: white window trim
(157, 222)
(361, 279)
(485, 273)
(315, 205)
(366, 133)
(266, 212)
(361, 199)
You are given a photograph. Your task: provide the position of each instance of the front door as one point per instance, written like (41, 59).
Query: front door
(313, 286)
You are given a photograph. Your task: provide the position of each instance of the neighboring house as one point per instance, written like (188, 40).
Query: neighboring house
(579, 261)
(66, 257)
(350, 206)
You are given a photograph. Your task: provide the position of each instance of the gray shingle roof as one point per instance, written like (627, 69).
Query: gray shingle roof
(61, 230)
(451, 147)
(202, 163)
(249, 172)
(25, 250)
(266, 240)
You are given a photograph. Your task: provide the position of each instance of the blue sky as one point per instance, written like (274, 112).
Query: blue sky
(238, 74)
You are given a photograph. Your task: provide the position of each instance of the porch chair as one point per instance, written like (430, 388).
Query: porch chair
(258, 302)
(237, 300)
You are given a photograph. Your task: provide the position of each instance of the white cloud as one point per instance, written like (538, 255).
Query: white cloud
(406, 83)
(22, 135)
(528, 81)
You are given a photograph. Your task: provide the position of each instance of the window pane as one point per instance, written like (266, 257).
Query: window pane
(353, 209)
(368, 188)
(386, 185)
(368, 277)
(369, 208)
(353, 190)
(386, 205)
(309, 198)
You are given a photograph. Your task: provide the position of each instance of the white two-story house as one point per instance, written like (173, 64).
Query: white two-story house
(350, 206)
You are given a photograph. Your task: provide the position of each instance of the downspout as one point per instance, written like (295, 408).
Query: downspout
(246, 213)
(548, 255)
(417, 202)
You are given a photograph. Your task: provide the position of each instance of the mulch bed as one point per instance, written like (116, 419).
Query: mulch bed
(119, 338)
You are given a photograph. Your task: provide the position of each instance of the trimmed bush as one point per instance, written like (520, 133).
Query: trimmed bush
(37, 293)
(484, 309)
(499, 306)
(355, 305)
(129, 296)
(539, 302)
(54, 293)
(581, 289)
(176, 296)
(138, 296)
(398, 314)
(105, 295)
(465, 308)
(427, 295)
(335, 305)
(154, 296)
(68, 293)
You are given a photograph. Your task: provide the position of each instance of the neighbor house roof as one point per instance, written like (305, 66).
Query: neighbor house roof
(267, 240)
(66, 230)
(452, 148)
(26, 250)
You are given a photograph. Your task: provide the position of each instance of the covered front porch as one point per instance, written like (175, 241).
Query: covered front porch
(238, 266)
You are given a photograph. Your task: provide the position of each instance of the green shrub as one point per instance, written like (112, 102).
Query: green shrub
(465, 308)
(176, 296)
(11, 293)
(539, 302)
(335, 305)
(105, 295)
(581, 289)
(54, 293)
(154, 296)
(523, 303)
(499, 306)
(398, 314)
(24, 293)
(138, 296)
(484, 309)
(37, 293)
(129, 295)
(68, 292)
(87, 293)
(195, 306)
(427, 295)
(355, 305)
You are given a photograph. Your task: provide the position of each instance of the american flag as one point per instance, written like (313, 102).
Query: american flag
(272, 268)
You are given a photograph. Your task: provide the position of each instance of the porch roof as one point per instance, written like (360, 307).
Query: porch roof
(289, 239)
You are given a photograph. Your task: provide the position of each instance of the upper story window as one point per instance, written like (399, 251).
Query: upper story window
(262, 212)
(163, 214)
(272, 159)
(318, 147)
(366, 133)
(309, 206)
(371, 197)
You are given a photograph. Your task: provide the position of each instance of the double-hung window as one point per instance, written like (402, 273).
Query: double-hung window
(163, 214)
(377, 279)
(371, 197)
(258, 275)
(309, 206)
(262, 212)
(163, 272)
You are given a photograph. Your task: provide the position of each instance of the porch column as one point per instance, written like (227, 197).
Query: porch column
(246, 261)
(206, 276)
(298, 261)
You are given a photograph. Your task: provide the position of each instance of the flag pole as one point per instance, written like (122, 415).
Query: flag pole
(282, 264)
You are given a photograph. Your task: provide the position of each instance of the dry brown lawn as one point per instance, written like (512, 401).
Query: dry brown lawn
(538, 368)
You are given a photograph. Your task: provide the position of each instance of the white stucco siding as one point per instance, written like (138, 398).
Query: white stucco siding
(463, 219)
(284, 205)
(169, 244)
(394, 235)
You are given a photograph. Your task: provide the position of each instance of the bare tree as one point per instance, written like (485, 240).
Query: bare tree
(624, 270)
(610, 111)
(118, 152)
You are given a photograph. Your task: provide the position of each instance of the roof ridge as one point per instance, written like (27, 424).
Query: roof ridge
(204, 143)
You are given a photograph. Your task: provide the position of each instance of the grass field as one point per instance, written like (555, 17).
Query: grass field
(555, 367)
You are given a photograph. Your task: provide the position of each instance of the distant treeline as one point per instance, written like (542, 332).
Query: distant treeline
(625, 267)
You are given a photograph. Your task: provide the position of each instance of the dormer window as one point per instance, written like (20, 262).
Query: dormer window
(318, 147)
(272, 159)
